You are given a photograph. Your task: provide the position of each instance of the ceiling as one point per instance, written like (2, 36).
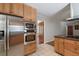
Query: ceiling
(48, 9)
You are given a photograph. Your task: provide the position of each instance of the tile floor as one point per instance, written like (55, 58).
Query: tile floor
(45, 50)
(17, 50)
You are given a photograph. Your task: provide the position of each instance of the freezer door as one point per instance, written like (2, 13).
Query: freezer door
(2, 35)
(15, 36)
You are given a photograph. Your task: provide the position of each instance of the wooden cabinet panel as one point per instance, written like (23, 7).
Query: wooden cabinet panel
(29, 48)
(77, 47)
(14, 9)
(70, 53)
(20, 9)
(30, 13)
(61, 46)
(1, 7)
(56, 42)
(6, 8)
(17, 9)
(26, 13)
(70, 45)
(17, 39)
(34, 14)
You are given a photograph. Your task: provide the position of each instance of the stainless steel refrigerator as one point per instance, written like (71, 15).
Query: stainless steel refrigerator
(11, 27)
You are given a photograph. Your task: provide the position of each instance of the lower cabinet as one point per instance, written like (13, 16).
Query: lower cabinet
(70, 53)
(59, 45)
(67, 46)
(29, 48)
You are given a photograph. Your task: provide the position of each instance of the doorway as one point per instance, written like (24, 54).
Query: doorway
(41, 32)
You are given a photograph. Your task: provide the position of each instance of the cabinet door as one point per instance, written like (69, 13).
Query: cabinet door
(17, 9)
(1, 7)
(77, 47)
(14, 9)
(29, 48)
(30, 13)
(70, 45)
(20, 9)
(56, 43)
(61, 46)
(70, 53)
(6, 8)
(26, 13)
(34, 14)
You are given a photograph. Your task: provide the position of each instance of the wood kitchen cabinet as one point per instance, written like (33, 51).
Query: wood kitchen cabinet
(77, 47)
(70, 45)
(29, 48)
(5, 8)
(1, 7)
(34, 14)
(27, 13)
(56, 42)
(69, 53)
(67, 46)
(17, 9)
(59, 45)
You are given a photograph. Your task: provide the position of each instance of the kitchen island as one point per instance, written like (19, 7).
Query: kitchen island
(67, 45)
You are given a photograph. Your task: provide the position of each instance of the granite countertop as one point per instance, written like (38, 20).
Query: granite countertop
(68, 37)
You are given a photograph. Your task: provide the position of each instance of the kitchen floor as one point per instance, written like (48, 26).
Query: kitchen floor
(16, 50)
(45, 50)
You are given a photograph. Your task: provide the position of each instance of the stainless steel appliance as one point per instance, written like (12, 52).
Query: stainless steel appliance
(30, 33)
(10, 27)
(72, 27)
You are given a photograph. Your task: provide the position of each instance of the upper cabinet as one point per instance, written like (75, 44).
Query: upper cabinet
(34, 14)
(29, 13)
(17, 9)
(5, 8)
(1, 7)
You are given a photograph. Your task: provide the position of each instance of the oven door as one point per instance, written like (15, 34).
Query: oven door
(29, 37)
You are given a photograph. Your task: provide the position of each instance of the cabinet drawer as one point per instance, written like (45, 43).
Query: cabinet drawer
(70, 53)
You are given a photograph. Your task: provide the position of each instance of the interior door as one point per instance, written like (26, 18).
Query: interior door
(2, 35)
(41, 32)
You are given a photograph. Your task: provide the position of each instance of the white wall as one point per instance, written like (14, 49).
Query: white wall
(54, 25)
(75, 9)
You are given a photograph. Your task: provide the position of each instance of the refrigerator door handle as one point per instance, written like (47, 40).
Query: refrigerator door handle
(7, 34)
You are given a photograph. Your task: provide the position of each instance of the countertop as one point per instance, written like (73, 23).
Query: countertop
(76, 38)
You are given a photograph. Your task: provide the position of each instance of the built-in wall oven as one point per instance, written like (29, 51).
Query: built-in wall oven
(30, 33)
